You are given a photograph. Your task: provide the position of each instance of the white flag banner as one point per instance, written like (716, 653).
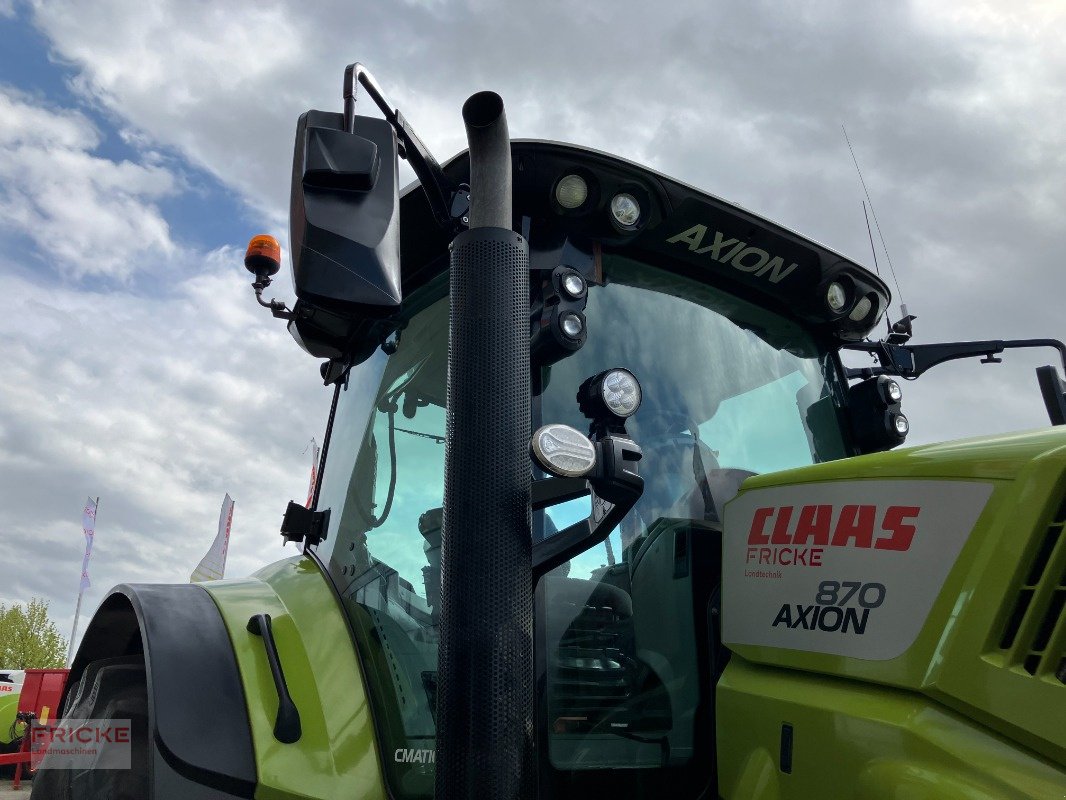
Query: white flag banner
(315, 452)
(213, 565)
(88, 527)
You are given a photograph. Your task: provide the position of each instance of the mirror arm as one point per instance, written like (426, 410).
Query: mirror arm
(911, 360)
(560, 548)
(434, 182)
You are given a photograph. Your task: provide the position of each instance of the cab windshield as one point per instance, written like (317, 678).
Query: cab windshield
(624, 634)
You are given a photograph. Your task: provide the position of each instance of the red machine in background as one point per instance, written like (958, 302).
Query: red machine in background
(42, 691)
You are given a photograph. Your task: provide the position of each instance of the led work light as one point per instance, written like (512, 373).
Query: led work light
(861, 310)
(573, 285)
(563, 451)
(571, 324)
(571, 192)
(610, 396)
(836, 297)
(625, 209)
(877, 422)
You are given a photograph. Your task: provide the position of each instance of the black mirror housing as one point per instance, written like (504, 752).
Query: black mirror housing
(1053, 392)
(344, 232)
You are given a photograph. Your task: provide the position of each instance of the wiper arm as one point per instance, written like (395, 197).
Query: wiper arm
(433, 436)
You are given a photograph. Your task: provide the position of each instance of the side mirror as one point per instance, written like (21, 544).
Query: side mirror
(1054, 394)
(876, 419)
(344, 231)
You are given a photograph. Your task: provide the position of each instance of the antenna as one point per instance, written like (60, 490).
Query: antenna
(906, 318)
(869, 233)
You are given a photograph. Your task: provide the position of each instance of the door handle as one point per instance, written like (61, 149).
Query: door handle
(287, 724)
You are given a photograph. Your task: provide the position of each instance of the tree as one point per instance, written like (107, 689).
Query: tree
(29, 639)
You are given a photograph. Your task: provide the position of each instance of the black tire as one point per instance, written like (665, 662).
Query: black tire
(110, 689)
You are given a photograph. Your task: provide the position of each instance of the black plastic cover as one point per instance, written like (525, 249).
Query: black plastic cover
(873, 415)
(195, 695)
(339, 160)
(1054, 394)
(344, 228)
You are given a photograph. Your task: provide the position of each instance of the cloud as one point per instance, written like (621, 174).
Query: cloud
(160, 405)
(90, 216)
(955, 110)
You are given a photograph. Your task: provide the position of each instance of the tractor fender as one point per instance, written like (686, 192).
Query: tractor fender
(198, 718)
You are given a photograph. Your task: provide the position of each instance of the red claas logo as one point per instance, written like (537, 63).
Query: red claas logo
(791, 535)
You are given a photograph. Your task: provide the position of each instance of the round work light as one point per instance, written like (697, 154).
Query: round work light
(836, 297)
(571, 192)
(571, 324)
(901, 424)
(563, 451)
(625, 209)
(573, 285)
(862, 308)
(621, 392)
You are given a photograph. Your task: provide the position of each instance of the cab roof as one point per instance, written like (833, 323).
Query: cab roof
(681, 228)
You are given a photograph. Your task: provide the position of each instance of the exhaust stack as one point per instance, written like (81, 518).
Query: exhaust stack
(490, 161)
(485, 671)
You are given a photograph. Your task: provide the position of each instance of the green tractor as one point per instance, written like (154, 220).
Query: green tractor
(11, 728)
(601, 513)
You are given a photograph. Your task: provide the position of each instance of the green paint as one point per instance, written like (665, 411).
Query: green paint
(337, 755)
(990, 457)
(953, 716)
(9, 704)
(854, 740)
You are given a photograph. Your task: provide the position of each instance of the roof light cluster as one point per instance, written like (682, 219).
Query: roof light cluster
(877, 420)
(562, 311)
(591, 199)
(627, 210)
(843, 299)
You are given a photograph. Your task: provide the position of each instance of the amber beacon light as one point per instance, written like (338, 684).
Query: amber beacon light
(263, 259)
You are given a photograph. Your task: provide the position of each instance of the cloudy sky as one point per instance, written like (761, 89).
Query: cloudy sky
(142, 143)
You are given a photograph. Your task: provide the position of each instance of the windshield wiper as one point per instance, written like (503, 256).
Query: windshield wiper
(433, 436)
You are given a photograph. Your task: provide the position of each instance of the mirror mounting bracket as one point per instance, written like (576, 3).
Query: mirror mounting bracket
(439, 190)
(911, 360)
(301, 524)
(277, 308)
(615, 488)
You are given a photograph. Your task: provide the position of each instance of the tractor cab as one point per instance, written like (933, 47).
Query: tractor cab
(730, 324)
(663, 344)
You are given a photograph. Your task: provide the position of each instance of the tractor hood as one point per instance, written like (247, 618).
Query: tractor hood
(939, 570)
